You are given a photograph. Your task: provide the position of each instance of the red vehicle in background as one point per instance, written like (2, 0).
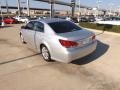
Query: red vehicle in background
(9, 20)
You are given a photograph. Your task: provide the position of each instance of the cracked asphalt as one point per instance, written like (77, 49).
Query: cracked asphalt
(21, 68)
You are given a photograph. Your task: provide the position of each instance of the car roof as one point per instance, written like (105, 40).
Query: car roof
(51, 20)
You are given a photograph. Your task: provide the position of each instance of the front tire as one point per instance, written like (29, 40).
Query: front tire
(45, 53)
(22, 39)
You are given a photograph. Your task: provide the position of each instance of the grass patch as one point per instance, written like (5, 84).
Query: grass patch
(111, 28)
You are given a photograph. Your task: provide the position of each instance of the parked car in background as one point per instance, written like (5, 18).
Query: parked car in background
(74, 19)
(98, 18)
(1, 22)
(68, 18)
(91, 18)
(33, 18)
(109, 21)
(22, 19)
(83, 19)
(9, 20)
(42, 17)
(58, 39)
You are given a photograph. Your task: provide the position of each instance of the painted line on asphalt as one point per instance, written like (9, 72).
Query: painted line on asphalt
(18, 59)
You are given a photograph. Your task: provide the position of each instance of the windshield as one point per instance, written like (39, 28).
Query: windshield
(64, 27)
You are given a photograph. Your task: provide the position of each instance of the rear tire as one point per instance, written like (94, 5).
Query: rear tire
(45, 53)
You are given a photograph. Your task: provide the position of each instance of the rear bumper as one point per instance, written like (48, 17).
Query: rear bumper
(78, 53)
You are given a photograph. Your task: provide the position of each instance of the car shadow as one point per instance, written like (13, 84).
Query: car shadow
(101, 49)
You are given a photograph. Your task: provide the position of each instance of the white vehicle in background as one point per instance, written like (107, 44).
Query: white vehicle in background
(110, 21)
(43, 17)
(1, 22)
(22, 19)
(98, 18)
(68, 18)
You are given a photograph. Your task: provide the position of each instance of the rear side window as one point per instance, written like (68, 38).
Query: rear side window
(64, 27)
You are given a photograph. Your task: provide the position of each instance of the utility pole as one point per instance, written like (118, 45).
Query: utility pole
(19, 11)
(98, 6)
(51, 8)
(28, 7)
(73, 7)
(23, 3)
(79, 11)
(7, 6)
(111, 9)
(79, 7)
(1, 13)
(1, 10)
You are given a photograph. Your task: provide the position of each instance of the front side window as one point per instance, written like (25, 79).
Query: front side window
(39, 27)
(30, 26)
(64, 27)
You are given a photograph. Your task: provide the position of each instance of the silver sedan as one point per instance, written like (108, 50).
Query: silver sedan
(58, 39)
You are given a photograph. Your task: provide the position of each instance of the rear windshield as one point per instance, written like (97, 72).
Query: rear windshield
(64, 27)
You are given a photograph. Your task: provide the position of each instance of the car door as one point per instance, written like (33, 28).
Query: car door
(29, 34)
(39, 34)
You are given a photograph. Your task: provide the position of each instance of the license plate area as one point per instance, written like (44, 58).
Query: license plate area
(86, 41)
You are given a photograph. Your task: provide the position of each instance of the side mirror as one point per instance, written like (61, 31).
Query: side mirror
(22, 27)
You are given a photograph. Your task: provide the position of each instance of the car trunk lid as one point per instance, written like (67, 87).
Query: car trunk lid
(82, 36)
(76, 35)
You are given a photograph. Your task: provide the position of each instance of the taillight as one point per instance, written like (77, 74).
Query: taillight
(68, 44)
(93, 37)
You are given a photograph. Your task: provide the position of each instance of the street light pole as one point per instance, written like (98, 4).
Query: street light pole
(28, 8)
(51, 8)
(23, 3)
(118, 10)
(7, 6)
(111, 10)
(98, 6)
(1, 14)
(1, 10)
(79, 7)
(19, 11)
(79, 11)
(73, 7)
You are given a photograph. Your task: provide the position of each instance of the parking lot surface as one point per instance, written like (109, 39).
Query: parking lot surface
(21, 68)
